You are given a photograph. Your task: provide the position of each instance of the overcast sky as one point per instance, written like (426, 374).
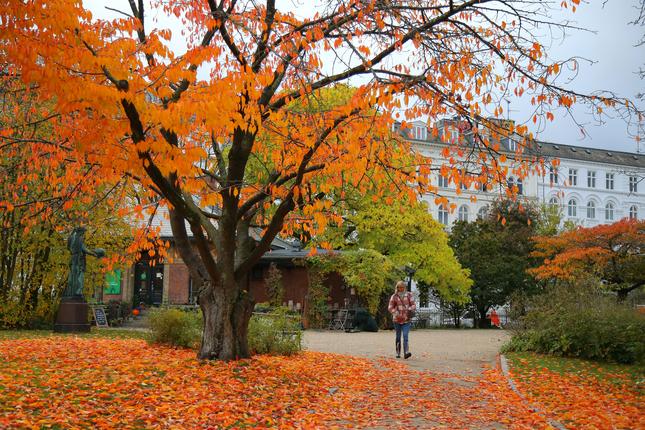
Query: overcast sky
(610, 45)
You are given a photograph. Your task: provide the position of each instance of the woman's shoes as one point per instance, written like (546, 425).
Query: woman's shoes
(407, 355)
(398, 355)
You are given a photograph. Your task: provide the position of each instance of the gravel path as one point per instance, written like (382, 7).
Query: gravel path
(462, 352)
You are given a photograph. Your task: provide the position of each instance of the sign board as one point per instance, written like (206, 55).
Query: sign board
(113, 282)
(100, 317)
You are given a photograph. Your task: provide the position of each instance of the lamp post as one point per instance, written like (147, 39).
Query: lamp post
(409, 271)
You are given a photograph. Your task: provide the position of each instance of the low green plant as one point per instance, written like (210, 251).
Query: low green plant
(580, 321)
(276, 333)
(175, 327)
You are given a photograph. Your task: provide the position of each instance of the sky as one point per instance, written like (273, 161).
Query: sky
(609, 45)
(616, 61)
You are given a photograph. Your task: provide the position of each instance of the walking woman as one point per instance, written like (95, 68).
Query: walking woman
(401, 307)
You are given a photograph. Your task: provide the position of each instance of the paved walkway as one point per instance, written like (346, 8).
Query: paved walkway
(462, 352)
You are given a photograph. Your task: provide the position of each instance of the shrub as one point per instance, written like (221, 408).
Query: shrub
(117, 312)
(277, 333)
(580, 321)
(176, 327)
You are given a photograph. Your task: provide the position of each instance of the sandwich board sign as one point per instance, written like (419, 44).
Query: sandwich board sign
(100, 317)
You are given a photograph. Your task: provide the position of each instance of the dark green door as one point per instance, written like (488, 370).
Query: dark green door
(148, 284)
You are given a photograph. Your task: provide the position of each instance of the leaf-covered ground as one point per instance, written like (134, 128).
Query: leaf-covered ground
(580, 393)
(75, 382)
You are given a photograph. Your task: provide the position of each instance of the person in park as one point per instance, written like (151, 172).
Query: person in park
(402, 307)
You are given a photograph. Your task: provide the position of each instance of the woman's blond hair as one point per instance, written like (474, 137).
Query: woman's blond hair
(402, 283)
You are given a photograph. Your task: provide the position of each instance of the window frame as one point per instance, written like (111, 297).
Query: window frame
(463, 213)
(572, 209)
(573, 177)
(591, 207)
(442, 212)
(633, 212)
(609, 211)
(633, 184)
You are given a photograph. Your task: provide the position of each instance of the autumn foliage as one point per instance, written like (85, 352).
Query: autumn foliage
(582, 394)
(102, 383)
(613, 253)
(226, 122)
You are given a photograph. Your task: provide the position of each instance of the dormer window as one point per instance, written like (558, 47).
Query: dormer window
(420, 132)
(512, 145)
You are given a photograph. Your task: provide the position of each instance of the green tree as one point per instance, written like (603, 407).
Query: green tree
(497, 250)
(410, 237)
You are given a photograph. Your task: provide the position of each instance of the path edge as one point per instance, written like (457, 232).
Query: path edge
(505, 371)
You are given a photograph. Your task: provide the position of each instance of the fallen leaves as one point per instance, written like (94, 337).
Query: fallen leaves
(73, 382)
(585, 397)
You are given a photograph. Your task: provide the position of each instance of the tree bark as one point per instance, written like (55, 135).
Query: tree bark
(226, 312)
(483, 322)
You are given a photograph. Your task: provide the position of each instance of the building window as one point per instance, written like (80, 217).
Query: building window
(482, 213)
(633, 212)
(553, 202)
(633, 184)
(591, 179)
(419, 133)
(512, 145)
(443, 181)
(463, 213)
(572, 208)
(591, 210)
(609, 212)
(443, 215)
(573, 177)
(553, 175)
(609, 181)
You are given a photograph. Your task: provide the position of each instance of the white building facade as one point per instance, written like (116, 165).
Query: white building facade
(590, 186)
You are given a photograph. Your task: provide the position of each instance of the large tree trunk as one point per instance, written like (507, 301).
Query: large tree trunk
(226, 312)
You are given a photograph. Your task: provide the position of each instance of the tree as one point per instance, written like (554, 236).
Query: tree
(367, 271)
(42, 203)
(384, 240)
(410, 237)
(188, 123)
(496, 250)
(613, 252)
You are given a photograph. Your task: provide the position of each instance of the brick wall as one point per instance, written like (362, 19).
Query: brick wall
(178, 281)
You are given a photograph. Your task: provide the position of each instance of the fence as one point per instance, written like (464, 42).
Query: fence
(428, 319)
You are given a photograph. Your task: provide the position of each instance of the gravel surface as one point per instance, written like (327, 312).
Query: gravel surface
(464, 352)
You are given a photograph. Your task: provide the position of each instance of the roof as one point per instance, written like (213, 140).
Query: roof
(281, 248)
(550, 150)
(604, 156)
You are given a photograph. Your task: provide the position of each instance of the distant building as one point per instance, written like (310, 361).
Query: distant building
(590, 186)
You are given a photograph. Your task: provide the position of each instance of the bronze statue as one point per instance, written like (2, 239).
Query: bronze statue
(76, 245)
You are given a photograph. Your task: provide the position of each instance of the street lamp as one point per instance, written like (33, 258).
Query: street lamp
(409, 271)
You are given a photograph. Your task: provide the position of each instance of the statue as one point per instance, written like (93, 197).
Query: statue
(76, 245)
(73, 311)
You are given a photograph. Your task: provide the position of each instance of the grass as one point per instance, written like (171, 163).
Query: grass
(524, 362)
(103, 333)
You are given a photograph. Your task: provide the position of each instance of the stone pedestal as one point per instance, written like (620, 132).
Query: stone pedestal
(72, 316)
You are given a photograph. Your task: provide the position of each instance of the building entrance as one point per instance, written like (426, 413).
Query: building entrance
(148, 284)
